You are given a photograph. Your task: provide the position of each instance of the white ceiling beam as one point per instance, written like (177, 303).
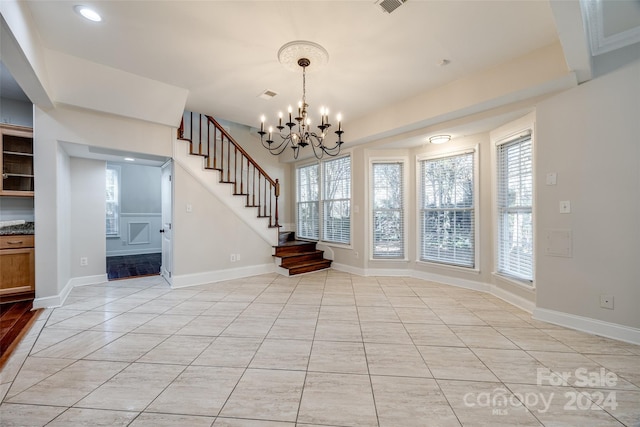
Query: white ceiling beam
(573, 37)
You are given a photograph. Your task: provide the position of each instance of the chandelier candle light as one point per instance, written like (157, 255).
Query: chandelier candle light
(297, 131)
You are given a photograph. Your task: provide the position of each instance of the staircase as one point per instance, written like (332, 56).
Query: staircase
(298, 256)
(221, 153)
(208, 139)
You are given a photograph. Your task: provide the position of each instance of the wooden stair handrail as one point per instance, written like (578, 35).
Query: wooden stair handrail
(275, 184)
(242, 150)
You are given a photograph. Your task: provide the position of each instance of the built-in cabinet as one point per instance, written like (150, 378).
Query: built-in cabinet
(17, 265)
(16, 161)
(17, 252)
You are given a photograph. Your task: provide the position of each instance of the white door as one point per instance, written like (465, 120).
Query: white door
(167, 192)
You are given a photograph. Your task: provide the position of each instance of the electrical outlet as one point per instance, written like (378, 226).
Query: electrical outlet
(84, 261)
(189, 208)
(606, 301)
(232, 257)
(356, 254)
(237, 257)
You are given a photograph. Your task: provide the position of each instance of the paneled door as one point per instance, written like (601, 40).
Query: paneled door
(167, 204)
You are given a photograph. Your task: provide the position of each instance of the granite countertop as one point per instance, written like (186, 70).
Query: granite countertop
(26, 228)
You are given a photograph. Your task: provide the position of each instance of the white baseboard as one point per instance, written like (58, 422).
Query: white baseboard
(513, 299)
(124, 252)
(591, 326)
(453, 281)
(58, 300)
(349, 269)
(185, 280)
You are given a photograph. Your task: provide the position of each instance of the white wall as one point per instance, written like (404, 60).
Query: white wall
(17, 113)
(204, 238)
(87, 216)
(140, 202)
(589, 137)
(12, 208)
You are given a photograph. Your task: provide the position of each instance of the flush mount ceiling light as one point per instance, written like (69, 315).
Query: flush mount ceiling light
(440, 139)
(87, 13)
(299, 134)
(130, 159)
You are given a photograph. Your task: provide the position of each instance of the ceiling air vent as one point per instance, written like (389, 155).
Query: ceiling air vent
(390, 5)
(267, 94)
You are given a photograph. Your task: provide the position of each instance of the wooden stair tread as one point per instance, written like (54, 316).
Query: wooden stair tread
(300, 254)
(295, 243)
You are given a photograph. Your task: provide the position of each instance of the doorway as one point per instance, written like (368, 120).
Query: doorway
(135, 202)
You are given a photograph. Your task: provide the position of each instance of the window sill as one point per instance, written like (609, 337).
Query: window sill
(448, 267)
(335, 245)
(113, 236)
(513, 281)
(406, 260)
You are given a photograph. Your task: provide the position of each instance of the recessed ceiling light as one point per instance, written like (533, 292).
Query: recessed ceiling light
(88, 13)
(440, 139)
(130, 159)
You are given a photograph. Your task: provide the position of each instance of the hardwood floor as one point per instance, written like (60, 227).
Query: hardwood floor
(15, 320)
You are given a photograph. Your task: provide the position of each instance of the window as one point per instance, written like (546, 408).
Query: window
(324, 201)
(336, 212)
(113, 201)
(514, 208)
(447, 210)
(388, 210)
(308, 199)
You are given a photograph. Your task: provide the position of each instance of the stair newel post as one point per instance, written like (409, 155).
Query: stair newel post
(181, 128)
(277, 194)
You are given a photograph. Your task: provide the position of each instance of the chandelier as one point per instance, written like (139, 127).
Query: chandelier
(298, 132)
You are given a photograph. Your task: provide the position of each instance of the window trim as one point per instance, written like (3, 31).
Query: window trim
(404, 160)
(320, 163)
(118, 173)
(525, 128)
(475, 150)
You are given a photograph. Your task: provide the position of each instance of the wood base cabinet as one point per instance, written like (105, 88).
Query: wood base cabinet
(17, 264)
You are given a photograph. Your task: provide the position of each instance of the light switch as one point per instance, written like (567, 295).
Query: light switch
(189, 208)
(551, 178)
(565, 206)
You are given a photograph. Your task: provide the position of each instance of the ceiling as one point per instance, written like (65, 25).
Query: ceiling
(223, 54)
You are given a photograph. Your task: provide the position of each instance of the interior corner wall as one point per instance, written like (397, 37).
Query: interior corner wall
(52, 200)
(87, 207)
(589, 137)
(63, 225)
(204, 238)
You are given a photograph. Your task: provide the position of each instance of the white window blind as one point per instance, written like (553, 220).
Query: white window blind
(515, 203)
(388, 210)
(447, 210)
(308, 199)
(336, 203)
(113, 201)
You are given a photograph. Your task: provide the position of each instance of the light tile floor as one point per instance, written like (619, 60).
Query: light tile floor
(323, 349)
